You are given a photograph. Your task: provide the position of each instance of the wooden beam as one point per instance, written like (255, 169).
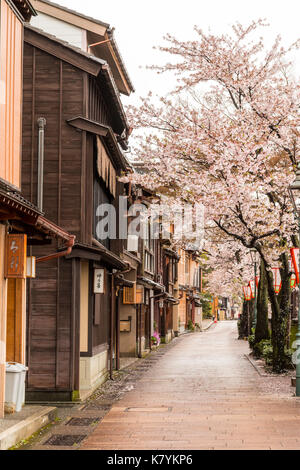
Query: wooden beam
(64, 52)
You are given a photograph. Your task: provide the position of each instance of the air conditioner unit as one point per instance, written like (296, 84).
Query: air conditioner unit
(133, 243)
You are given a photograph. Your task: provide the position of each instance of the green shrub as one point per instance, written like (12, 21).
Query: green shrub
(251, 340)
(259, 347)
(267, 352)
(264, 349)
(191, 326)
(206, 303)
(294, 329)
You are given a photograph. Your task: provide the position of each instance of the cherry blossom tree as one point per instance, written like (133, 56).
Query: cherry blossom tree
(228, 137)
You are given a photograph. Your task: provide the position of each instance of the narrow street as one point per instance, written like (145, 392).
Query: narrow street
(203, 394)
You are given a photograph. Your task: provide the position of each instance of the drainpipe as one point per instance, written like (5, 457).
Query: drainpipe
(60, 254)
(41, 153)
(112, 316)
(118, 292)
(112, 309)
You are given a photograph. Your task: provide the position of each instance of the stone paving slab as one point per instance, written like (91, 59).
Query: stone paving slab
(216, 400)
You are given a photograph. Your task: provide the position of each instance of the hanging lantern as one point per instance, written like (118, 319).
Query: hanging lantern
(277, 280)
(295, 261)
(293, 281)
(257, 279)
(247, 293)
(252, 289)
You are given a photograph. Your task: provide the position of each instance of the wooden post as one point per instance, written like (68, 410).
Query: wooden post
(140, 355)
(2, 321)
(16, 321)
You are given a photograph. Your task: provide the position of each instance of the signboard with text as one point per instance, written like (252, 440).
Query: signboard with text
(99, 281)
(16, 257)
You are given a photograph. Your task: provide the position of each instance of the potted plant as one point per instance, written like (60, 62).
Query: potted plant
(155, 339)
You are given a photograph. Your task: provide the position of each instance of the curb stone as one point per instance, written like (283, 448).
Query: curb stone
(23, 430)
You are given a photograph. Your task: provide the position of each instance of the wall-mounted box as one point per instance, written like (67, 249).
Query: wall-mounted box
(125, 326)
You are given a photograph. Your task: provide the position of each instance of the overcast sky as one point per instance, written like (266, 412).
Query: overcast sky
(140, 25)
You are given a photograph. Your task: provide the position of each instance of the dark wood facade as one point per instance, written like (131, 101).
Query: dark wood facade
(70, 90)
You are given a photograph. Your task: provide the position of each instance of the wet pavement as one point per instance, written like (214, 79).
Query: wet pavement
(203, 393)
(199, 392)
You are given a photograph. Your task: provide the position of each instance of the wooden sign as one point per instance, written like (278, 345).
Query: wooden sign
(16, 257)
(125, 325)
(99, 275)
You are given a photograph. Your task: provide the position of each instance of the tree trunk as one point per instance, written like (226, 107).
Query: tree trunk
(243, 325)
(280, 312)
(251, 316)
(262, 325)
(280, 323)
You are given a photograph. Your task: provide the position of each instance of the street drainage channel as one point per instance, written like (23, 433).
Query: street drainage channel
(63, 440)
(162, 409)
(71, 440)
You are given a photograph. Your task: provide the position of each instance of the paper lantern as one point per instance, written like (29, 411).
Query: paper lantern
(247, 293)
(293, 281)
(277, 280)
(295, 261)
(252, 288)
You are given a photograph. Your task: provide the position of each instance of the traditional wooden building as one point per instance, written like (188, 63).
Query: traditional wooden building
(88, 34)
(137, 305)
(71, 313)
(22, 224)
(190, 288)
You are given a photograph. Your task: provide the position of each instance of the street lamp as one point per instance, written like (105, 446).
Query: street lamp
(254, 259)
(294, 191)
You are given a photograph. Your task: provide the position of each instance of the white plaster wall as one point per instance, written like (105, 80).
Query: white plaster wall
(65, 31)
(93, 371)
(198, 316)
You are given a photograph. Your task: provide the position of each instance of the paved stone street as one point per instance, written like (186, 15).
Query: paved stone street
(202, 394)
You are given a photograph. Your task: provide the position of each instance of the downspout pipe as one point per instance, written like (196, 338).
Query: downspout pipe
(162, 294)
(112, 310)
(112, 315)
(41, 155)
(69, 247)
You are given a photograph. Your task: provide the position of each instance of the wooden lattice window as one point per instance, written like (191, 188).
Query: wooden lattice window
(129, 295)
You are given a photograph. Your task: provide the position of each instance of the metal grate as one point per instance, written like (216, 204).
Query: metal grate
(65, 440)
(83, 421)
(97, 406)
